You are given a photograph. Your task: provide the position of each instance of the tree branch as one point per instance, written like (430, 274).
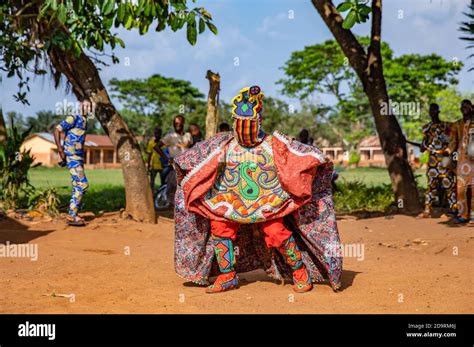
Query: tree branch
(376, 31)
(375, 35)
(345, 38)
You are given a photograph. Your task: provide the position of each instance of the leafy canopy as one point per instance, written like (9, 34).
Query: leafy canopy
(467, 28)
(323, 69)
(29, 30)
(158, 99)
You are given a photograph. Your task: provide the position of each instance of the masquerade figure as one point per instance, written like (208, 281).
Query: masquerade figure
(248, 200)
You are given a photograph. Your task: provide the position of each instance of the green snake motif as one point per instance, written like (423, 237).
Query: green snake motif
(252, 190)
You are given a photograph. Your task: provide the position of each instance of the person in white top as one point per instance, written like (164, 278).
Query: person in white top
(177, 142)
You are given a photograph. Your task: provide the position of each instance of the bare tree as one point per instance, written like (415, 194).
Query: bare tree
(212, 103)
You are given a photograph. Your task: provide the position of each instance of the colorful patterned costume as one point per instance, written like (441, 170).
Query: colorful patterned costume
(75, 129)
(462, 131)
(252, 200)
(436, 140)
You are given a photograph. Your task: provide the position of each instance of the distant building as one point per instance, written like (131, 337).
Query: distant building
(99, 150)
(335, 152)
(369, 149)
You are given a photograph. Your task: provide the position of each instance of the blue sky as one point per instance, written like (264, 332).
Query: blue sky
(261, 34)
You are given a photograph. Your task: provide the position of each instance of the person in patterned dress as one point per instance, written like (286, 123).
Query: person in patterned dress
(257, 179)
(462, 148)
(440, 173)
(71, 153)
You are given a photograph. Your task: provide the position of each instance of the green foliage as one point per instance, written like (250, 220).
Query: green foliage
(358, 12)
(156, 100)
(14, 167)
(410, 78)
(105, 197)
(106, 191)
(417, 78)
(29, 30)
(354, 158)
(424, 158)
(45, 200)
(323, 68)
(449, 101)
(46, 121)
(467, 28)
(356, 196)
(18, 120)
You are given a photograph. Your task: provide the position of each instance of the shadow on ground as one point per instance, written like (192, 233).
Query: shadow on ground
(14, 232)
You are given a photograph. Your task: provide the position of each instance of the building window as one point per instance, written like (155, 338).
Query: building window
(108, 156)
(95, 156)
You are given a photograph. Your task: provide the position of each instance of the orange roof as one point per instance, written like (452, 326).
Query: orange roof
(92, 140)
(98, 140)
(370, 141)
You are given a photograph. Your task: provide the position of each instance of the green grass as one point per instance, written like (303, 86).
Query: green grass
(59, 177)
(359, 188)
(373, 176)
(105, 193)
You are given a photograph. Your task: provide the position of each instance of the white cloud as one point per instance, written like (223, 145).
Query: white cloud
(272, 26)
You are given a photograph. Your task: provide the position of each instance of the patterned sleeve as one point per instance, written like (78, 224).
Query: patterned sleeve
(426, 137)
(453, 143)
(67, 123)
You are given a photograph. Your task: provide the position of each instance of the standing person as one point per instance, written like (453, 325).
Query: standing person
(304, 137)
(154, 162)
(177, 142)
(72, 156)
(224, 127)
(195, 133)
(436, 139)
(462, 147)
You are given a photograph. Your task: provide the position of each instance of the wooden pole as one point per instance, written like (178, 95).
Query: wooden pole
(212, 103)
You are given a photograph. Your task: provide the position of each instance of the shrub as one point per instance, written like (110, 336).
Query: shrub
(354, 158)
(98, 198)
(46, 201)
(424, 157)
(14, 166)
(356, 196)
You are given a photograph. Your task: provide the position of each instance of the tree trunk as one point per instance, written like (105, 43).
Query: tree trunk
(84, 78)
(394, 148)
(3, 128)
(212, 103)
(369, 68)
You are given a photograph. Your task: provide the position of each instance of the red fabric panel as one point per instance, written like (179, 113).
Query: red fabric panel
(275, 232)
(296, 173)
(225, 229)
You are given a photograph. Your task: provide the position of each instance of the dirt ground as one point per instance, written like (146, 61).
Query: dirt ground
(119, 266)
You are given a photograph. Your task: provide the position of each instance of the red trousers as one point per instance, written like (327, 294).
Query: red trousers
(275, 232)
